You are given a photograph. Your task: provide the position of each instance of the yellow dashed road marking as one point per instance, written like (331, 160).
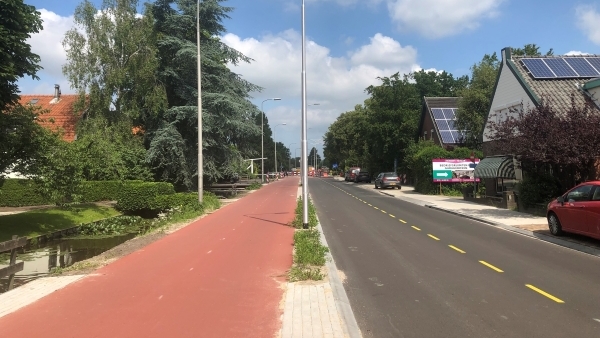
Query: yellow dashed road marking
(558, 300)
(392, 216)
(414, 227)
(383, 211)
(455, 248)
(376, 208)
(490, 266)
(432, 236)
(403, 221)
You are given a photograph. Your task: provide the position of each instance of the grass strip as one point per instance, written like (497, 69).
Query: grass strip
(309, 253)
(39, 222)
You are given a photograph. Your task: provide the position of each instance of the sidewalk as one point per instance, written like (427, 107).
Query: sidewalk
(522, 223)
(222, 276)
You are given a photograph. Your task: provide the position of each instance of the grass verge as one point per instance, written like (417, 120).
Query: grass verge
(38, 222)
(309, 253)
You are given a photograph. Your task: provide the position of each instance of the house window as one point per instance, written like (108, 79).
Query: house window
(33, 101)
(425, 135)
(431, 136)
(505, 184)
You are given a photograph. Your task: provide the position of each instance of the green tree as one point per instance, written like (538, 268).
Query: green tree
(530, 49)
(112, 61)
(476, 99)
(17, 22)
(228, 117)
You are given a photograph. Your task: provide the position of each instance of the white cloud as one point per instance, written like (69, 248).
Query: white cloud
(576, 52)
(349, 2)
(336, 83)
(436, 19)
(48, 42)
(587, 20)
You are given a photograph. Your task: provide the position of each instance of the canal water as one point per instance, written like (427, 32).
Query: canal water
(40, 260)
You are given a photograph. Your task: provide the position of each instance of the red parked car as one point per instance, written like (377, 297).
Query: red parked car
(577, 211)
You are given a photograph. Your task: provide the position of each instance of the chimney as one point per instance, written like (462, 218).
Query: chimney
(57, 92)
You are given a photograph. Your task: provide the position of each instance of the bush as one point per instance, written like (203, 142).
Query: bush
(19, 193)
(118, 225)
(94, 191)
(183, 200)
(141, 197)
(254, 186)
(539, 188)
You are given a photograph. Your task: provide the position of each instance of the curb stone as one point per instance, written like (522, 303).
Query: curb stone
(557, 241)
(342, 302)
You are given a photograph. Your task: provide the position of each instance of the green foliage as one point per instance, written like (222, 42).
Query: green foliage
(19, 192)
(228, 117)
(39, 222)
(308, 248)
(312, 215)
(254, 186)
(118, 225)
(539, 188)
(300, 272)
(139, 197)
(110, 151)
(184, 200)
(112, 61)
(17, 22)
(420, 156)
(95, 191)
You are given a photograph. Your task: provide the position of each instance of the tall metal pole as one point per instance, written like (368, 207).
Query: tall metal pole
(290, 148)
(304, 149)
(200, 162)
(262, 138)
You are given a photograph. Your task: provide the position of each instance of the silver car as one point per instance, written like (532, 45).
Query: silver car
(387, 180)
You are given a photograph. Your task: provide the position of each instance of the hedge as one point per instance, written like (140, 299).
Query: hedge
(136, 197)
(20, 192)
(23, 192)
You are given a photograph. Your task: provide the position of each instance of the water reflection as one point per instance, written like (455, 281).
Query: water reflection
(60, 253)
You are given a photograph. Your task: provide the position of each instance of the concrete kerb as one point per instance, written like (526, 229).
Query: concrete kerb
(342, 302)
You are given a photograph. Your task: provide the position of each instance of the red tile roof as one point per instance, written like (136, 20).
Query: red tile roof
(59, 116)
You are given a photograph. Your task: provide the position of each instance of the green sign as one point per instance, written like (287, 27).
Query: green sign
(442, 174)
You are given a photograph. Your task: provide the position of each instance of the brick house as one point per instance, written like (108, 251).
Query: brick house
(437, 123)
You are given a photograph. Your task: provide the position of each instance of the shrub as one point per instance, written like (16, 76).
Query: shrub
(140, 197)
(94, 191)
(20, 192)
(118, 225)
(183, 200)
(539, 188)
(254, 186)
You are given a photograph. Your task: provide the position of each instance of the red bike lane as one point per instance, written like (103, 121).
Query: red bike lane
(218, 277)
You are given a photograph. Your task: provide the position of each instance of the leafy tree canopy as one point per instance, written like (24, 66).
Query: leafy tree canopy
(17, 22)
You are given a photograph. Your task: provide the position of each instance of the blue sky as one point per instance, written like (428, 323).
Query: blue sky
(352, 42)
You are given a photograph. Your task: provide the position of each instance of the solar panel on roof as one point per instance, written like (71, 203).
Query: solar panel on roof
(582, 67)
(458, 136)
(560, 67)
(437, 113)
(442, 125)
(538, 68)
(446, 136)
(449, 113)
(594, 62)
(451, 125)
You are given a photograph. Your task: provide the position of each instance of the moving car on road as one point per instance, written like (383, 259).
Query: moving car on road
(577, 211)
(387, 180)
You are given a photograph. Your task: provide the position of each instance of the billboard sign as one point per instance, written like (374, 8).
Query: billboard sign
(454, 170)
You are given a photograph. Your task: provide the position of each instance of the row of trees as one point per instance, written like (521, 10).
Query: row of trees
(136, 80)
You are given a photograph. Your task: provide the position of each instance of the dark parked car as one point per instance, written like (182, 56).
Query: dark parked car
(362, 176)
(387, 180)
(351, 174)
(577, 211)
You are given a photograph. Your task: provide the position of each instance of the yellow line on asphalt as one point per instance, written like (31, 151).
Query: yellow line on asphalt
(392, 216)
(490, 266)
(376, 208)
(370, 204)
(414, 227)
(383, 211)
(432, 236)
(558, 300)
(403, 221)
(365, 202)
(455, 248)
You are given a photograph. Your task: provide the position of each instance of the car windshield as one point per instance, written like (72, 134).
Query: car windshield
(390, 175)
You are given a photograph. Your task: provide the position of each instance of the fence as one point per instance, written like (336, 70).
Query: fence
(13, 267)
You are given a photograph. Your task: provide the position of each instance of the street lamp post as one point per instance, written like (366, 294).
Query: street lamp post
(262, 138)
(281, 124)
(290, 148)
(295, 157)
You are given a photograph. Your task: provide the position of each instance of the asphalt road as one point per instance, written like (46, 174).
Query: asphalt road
(412, 271)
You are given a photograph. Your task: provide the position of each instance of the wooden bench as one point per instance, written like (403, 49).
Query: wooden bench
(13, 267)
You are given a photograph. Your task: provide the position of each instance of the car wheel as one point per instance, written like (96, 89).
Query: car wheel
(376, 187)
(554, 225)
(397, 187)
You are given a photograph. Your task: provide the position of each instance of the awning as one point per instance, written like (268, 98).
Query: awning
(496, 167)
